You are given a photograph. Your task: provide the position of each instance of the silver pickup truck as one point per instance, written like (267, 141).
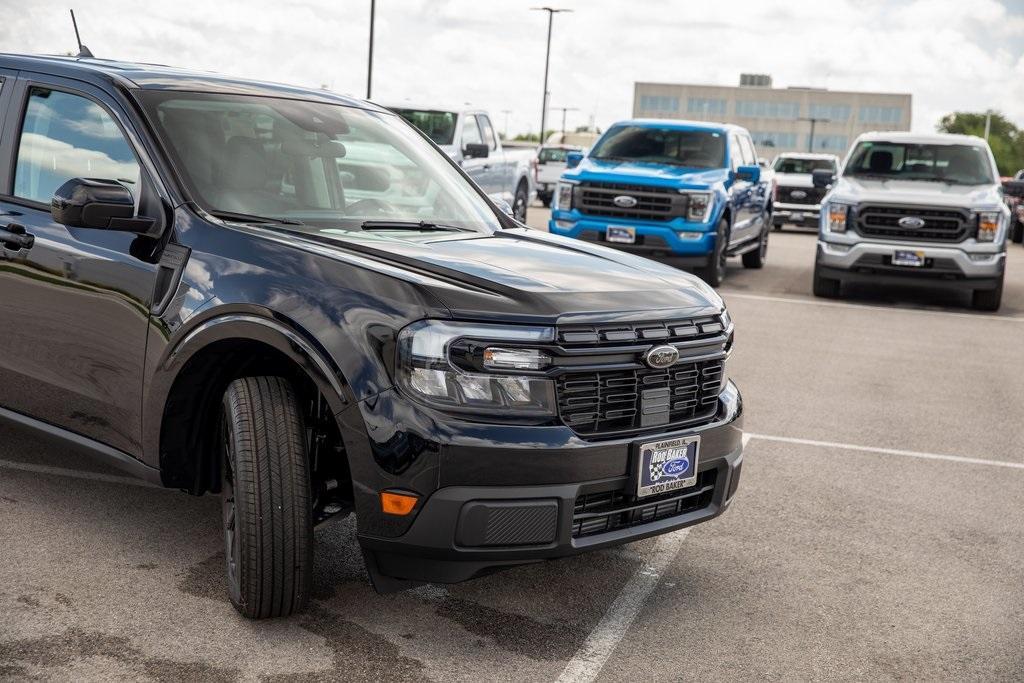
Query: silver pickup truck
(468, 137)
(914, 209)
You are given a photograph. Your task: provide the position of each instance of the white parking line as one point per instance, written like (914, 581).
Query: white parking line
(77, 474)
(726, 294)
(588, 661)
(888, 451)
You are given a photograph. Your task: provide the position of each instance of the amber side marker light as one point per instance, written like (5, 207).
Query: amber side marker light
(400, 504)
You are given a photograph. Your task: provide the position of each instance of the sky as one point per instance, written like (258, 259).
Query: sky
(949, 54)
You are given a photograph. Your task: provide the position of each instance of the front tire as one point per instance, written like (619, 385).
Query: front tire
(1017, 231)
(988, 299)
(519, 203)
(825, 287)
(265, 498)
(714, 272)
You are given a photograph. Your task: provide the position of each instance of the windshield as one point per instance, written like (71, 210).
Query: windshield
(791, 165)
(318, 164)
(439, 126)
(552, 154)
(954, 164)
(692, 148)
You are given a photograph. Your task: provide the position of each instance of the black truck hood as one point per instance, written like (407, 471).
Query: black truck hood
(530, 276)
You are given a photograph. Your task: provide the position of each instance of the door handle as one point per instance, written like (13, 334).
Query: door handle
(14, 237)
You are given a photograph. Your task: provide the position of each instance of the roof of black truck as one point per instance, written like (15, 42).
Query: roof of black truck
(159, 77)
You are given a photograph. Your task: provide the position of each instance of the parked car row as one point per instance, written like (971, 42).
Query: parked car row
(1013, 191)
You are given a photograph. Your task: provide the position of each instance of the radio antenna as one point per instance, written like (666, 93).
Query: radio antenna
(83, 51)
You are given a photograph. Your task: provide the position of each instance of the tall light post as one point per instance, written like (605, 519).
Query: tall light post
(369, 62)
(563, 110)
(814, 121)
(552, 11)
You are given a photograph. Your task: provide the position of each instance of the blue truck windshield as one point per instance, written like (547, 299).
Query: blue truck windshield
(691, 148)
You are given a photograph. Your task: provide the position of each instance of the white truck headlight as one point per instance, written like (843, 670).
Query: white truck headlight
(835, 220)
(468, 367)
(988, 226)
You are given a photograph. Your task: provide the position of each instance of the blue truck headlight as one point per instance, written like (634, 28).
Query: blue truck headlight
(698, 206)
(564, 196)
(465, 367)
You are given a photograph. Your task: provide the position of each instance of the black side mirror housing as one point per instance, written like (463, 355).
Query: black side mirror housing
(476, 150)
(822, 177)
(99, 204)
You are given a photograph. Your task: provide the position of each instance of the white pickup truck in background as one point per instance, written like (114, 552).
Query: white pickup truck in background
(549, 168)
(469, 138)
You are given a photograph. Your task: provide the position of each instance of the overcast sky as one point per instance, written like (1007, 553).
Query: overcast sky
(950, 54)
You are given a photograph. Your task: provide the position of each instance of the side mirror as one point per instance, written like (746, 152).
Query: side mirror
(99, 204)
(822, 177)
(573, 159)
(749, 173)
(476, 150)
(502, 205)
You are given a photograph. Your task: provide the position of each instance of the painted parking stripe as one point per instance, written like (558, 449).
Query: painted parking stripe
(77, 474)
(588, 661)
(888, 451)
(726, 294)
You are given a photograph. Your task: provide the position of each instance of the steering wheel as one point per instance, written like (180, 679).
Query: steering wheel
(370, 207)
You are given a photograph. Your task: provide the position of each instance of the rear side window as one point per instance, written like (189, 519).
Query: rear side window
(66, 136)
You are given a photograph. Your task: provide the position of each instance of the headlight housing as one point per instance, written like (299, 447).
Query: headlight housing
(836, 218)
(476, 368)
(698, 206)
(563, 198)
(988, 225)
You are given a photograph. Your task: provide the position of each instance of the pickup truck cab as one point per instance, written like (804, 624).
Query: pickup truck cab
(796, 200)
(210, 283)
(914, 209)
(688, 192)
(468, 137)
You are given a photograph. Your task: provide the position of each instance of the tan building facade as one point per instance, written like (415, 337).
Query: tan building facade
(778, 118)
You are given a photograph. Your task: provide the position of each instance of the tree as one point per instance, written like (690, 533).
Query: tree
(1005, 139)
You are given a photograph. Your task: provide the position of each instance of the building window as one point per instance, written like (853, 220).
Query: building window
(893, 115)
(832, 112)
(658, 104)
(768, 139)
(703, 105)
(767, 110)
(828, 143)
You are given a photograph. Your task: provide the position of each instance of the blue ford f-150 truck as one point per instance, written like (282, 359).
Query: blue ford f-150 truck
(686, 192)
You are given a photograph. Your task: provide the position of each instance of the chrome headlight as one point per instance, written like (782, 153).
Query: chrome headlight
(698, 206)
(988, 225)
(468, 367)
(835, 219)
(563, 198)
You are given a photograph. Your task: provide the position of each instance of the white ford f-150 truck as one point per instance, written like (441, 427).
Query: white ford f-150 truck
(914, 209)
(796, 200)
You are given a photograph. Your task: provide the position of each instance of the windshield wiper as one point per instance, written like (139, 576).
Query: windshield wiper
(251, 218)
(424, 226)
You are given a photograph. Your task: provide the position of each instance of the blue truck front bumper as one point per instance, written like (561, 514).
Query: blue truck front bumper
(687, 243)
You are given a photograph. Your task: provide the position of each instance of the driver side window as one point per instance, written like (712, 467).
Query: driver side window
(470, 131)
(67, 136)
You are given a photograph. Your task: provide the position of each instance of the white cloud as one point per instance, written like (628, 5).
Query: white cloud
(950, 54)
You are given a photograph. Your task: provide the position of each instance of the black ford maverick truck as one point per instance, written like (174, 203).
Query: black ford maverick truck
(297, 302)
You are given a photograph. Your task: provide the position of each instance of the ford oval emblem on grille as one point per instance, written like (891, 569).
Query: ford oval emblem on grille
(624, 201)
(912, 222)
(797, 194)
(661, 356)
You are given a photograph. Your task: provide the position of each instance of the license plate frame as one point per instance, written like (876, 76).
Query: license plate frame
(620, 234)
(654, 457)
(797, 216)
(908, 258)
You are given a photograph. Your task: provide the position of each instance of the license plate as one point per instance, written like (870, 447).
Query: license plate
(913, 259)
(667, 465)
(796, 217)
(617, 233)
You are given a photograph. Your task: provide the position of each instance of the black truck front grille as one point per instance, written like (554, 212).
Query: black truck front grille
(665, 332)
(800, 195)
(644, 202)
(938, 225)
(611, 401)
(598, 513)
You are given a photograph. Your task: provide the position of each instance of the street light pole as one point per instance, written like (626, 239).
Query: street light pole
(369, 63)
(547, 63)
(814, 121)
(563, 110)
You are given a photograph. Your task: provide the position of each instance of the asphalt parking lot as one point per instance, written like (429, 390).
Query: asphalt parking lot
(876, 535)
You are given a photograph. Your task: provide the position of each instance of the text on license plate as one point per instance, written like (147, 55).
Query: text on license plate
(914, 259)
(621, 234)
(667, 465)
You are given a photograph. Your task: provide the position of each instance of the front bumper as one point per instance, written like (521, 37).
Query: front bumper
(796, 213)
(945, 265)
(464, 531)
(689, 243)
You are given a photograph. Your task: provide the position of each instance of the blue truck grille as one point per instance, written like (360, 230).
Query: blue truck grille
(651, 203)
